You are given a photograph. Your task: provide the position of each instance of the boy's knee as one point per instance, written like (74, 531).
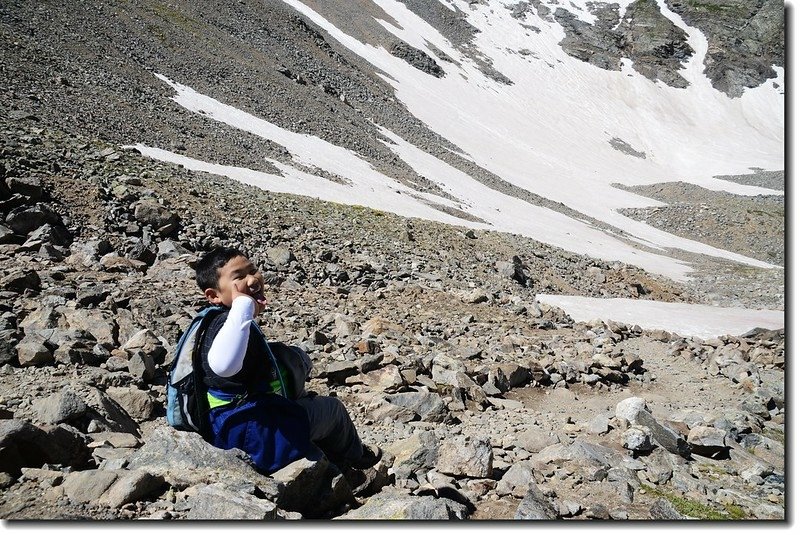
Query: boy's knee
(334, 405)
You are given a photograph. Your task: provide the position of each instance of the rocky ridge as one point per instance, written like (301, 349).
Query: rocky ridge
(488, 404)
(746, 39)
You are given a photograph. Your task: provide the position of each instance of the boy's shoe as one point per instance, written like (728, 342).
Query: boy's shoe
(370, 455)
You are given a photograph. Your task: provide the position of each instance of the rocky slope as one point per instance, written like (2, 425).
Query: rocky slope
(745, 39)
(752, 226)
(488, 404)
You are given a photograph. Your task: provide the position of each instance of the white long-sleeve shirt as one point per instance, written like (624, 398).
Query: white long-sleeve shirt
(226, 356)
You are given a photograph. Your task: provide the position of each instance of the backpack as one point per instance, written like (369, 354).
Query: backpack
(271, 428)
(187, 404)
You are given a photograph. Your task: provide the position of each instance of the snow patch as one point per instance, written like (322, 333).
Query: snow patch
(703, 321)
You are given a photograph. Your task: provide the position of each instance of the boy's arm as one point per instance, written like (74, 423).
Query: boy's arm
(226, 356)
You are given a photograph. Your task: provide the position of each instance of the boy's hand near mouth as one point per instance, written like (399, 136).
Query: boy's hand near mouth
(253, 290)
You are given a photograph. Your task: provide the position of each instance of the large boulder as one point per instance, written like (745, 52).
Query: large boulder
(24, 444)
(184, 459)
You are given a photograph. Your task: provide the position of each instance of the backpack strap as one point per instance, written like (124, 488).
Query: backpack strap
(205, 317)
(273, 360)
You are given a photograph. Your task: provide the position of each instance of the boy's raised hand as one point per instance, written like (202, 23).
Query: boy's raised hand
(254, 289)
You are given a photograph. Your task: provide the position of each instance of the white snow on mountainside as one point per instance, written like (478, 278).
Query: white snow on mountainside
(549, 133)
(686, 319)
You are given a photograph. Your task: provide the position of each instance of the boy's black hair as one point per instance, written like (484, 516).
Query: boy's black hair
(206, 271)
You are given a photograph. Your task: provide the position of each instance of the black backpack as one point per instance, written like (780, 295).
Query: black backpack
(187, 401)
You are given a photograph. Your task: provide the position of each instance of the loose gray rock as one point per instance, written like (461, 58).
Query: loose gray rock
(61, 407)
(637, 438)
(222, 501)
(338, 372)
(30, 187)
(280, 256)
(141, 366)
(170, 249)
(131, 486)
(599, 425)
(8, 345)
(23, 444)
(6, 235)
(662, 509)
(312, 486)
(99, 323)
(627, 409)
(25, 219)
(20, 280)
(387, 379)
(32, 351)
(708, 442)
(664, 436)
(659, 467)
(428, 405)
(415, 452)
(516, 480)
(150, 212)
(139, 404)
(108, 414)
(88, 486)
(466, 456)
(47, 234)
(535, 506)
(535, 440)
(395, 504)
(148, 343)
(87, 253)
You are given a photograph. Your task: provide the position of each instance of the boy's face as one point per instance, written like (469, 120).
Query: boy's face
(238, 277)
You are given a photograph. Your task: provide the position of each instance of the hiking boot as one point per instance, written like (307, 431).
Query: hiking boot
(370, 455)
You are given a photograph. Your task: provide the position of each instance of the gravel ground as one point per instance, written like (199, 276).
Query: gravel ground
(759, 177)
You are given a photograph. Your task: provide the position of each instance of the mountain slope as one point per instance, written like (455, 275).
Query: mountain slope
(480, 113)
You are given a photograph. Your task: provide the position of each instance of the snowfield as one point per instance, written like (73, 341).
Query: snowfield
(684, 319)
(548, 133)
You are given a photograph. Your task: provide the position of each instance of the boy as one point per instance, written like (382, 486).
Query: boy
(236, 365)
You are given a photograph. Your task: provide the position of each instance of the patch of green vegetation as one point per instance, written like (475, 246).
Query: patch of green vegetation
(712, 470)
(735, 512)
(695, 509)
(177, 18)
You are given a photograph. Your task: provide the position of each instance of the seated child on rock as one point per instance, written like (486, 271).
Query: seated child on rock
(238, 369)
